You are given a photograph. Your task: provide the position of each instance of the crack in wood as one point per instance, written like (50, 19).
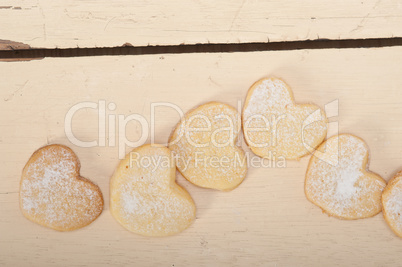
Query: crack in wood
(13, 51)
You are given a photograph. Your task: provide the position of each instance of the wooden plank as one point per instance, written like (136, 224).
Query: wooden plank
(76, 23)
(267, 221)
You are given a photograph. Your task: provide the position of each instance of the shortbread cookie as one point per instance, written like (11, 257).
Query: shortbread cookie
(144, 196)
(53, 194)
(205, 145)
(392, 204)
(339, 182)
(274, 126)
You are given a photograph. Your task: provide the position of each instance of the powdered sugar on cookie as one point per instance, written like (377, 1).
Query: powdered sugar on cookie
(146, 200)
(392, 204)
(158, 211)
(209, 133)
(338, 181)
(274, 124)
(52, 193)
(270, 95)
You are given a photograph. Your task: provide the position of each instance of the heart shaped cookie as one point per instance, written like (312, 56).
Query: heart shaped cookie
(392, 204)
(204, 143)
(338, 180)
(53, 194)
(144, 197)
(274, 126)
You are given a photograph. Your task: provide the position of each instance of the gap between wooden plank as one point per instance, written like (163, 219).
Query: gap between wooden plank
(38, 53)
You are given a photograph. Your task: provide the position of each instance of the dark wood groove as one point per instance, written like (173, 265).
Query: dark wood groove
(37, 53)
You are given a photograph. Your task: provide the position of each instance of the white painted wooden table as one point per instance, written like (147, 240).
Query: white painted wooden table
(78, 23)
(267, 221)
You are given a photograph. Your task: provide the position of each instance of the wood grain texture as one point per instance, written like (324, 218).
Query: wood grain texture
(76, 23)
(266, 221)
